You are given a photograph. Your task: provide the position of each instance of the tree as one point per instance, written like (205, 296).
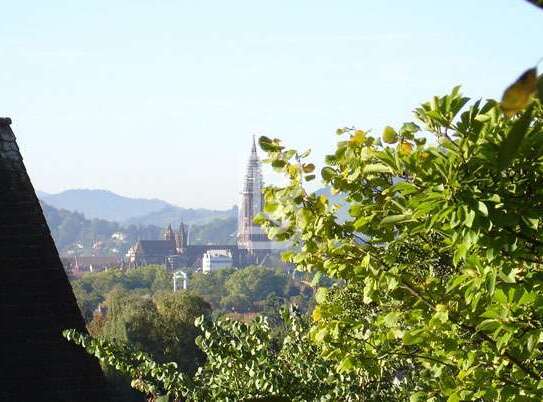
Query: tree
(247, 286)
(210, 286)
(92, 288)
(441, 256)
(177, 313)
(242, 365)
(163, 327)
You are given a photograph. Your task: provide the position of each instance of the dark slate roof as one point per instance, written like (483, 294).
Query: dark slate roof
(36, 300)
(157, 247)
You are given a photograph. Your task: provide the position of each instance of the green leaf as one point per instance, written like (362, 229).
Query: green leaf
(316, 279)
(440, 316)
(308, 168)
(491, 282)
(392, 219)
(510, 146)
(454, 282)
(321, 334)
(328, 173)
(532, 339)
(320, 295)
(500, 296)
(278, 163)
(413, 337)
(346, 364)
(418, 397)
(460, 252)
(454, 397)
(376, 168)
(489, 325)
(270, 207)
(408, 129)
(268, 144)
(482, 208)
(470, 216)
(527, 298)
(390, 320)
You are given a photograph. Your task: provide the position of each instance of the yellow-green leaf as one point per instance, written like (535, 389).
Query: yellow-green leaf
(517, 96)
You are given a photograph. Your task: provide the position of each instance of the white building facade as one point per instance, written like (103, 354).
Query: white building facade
(214, 260)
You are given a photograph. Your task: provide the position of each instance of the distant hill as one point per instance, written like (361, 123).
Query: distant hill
(103, 204)
(218, 231)
(174, 215)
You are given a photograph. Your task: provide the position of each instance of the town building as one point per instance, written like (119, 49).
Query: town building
(76, 266)
(253, 246)
(214, 260)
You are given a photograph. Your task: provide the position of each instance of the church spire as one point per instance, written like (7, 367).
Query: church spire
(254, 154)
(250, 236)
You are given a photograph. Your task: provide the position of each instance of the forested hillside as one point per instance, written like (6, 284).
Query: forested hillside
(218, 231)
(74, 234)
(166, 215)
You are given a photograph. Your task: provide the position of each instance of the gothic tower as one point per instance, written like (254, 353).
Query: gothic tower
(250, 236)
(181, 240)
(169, 235)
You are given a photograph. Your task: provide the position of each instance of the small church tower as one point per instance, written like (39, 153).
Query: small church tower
(169, 235)
(181, 240)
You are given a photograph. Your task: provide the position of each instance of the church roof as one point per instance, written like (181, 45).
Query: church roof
(157, 247)
(37, 302)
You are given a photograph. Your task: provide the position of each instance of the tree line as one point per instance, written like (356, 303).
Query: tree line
(74, 234)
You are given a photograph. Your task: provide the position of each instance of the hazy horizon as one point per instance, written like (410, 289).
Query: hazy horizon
(41, 193)
(160, 99)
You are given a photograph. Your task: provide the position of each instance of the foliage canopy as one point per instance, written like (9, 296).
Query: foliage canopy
(441, 255)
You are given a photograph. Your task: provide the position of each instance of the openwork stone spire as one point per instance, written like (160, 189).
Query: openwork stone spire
(250, 236)
(36, 300)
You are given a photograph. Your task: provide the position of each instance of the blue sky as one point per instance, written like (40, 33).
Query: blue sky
(159, 99)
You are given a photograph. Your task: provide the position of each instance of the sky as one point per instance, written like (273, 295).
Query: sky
(160, 99)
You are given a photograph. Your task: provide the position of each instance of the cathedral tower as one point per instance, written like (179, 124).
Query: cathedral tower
(250, 236)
